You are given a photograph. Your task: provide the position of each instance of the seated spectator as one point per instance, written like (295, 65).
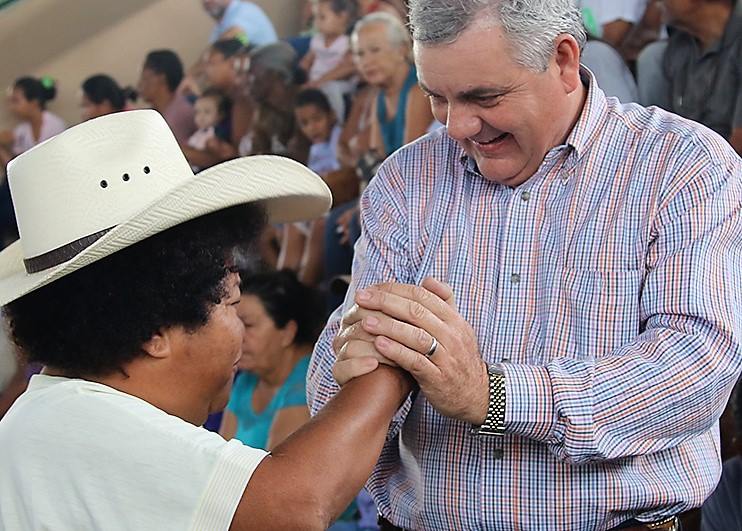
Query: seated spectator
(703, 64)
(282, 319)
(275, 81)
(226, 69)
(329, 62)
(382, 51)
(102, 95)
(158, 85)
(400, 113)
(27, 103)
(302, 246)
(212, 109)
(235, 18)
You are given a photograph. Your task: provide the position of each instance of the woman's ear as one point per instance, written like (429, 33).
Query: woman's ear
(288, 333)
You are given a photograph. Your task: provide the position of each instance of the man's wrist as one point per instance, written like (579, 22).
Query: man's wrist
(494, 421)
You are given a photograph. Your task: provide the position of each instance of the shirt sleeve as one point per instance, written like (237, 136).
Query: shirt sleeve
(380, 256)
(232, 471)
(670, 383)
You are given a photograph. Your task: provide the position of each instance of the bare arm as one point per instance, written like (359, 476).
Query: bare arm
(201, 158)
(292, 248)
(643, 33)
(615, 32)
(418, 115)
(229, 425)
(311, 477)
(307, 61)
(312, 262)
(354, 138)
(286, 422)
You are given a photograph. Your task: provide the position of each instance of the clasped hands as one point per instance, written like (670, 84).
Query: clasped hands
(395, 324)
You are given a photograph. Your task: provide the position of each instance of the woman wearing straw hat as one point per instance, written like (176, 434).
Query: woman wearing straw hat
(122, 285)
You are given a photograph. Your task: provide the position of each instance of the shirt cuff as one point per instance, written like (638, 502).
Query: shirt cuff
(529, 402)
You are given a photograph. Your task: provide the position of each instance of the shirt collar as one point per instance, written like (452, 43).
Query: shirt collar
(592, 116)
(584, 132)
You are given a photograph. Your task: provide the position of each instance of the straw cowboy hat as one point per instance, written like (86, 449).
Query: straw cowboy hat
(113, 181)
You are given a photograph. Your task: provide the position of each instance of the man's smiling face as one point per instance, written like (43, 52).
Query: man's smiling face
(505, 116)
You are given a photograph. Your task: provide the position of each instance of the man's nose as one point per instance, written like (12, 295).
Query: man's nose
(461, 123)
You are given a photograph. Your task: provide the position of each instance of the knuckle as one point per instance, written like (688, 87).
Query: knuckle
(417, 310)
(422, 338)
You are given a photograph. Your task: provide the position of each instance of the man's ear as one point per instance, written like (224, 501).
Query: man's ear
(160, 345)
(568, 62)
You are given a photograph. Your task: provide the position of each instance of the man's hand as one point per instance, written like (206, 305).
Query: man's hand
(395, 324)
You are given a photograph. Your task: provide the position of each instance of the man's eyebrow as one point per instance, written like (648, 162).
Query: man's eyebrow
(475, 93)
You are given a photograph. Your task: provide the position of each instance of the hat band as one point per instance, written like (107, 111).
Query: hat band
(61, 254)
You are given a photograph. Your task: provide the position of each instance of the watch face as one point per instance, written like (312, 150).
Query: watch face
(495, 368)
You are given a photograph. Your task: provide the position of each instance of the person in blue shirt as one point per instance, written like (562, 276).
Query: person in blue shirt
(282, 319)
(239, 17)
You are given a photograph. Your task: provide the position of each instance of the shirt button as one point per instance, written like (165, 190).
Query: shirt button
(525, 196)
(515, 278)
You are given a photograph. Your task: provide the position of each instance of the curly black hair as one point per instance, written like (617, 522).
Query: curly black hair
(95, 320)
(286, 299)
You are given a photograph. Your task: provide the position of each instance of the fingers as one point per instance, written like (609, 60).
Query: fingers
(410, 336)
(420, 367)
(441, 289)
(346, 370)
(409, 304)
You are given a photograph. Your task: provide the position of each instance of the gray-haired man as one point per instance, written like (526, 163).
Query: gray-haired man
(580, 334)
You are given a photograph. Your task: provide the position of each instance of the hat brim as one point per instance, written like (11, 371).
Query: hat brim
(287, 190)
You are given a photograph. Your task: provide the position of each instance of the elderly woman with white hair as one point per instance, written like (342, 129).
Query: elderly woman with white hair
(382, 52)
(398, 114)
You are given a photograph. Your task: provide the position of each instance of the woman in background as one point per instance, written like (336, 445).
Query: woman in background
(282, 319)
(101, 95)
(27, 102)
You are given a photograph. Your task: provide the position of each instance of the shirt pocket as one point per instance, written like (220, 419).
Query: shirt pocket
(594, 312)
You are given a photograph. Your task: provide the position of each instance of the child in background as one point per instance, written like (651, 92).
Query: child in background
(329, 63)
(318, 123)
(302, 246)
(211, 111)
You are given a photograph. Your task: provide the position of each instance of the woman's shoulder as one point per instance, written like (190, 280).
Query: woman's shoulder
(299, 372)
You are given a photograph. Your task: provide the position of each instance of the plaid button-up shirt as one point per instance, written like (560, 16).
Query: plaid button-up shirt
(608, 284)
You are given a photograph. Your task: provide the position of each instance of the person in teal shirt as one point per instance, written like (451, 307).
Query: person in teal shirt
(282, 319)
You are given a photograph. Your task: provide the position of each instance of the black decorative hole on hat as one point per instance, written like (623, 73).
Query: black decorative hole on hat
(125, 177)
(146, 169)
(104, 184)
